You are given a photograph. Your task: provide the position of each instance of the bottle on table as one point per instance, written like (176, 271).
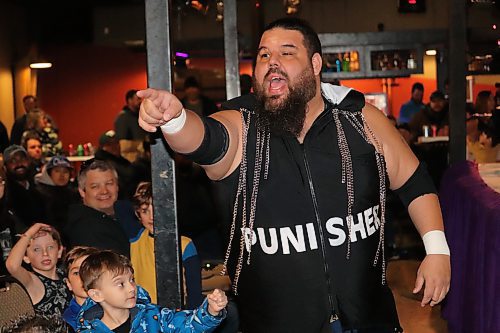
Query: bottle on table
(79, 150)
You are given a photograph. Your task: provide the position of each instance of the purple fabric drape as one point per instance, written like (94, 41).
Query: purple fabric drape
(471, 212)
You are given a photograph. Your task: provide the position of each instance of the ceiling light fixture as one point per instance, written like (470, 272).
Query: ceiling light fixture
(40, 65)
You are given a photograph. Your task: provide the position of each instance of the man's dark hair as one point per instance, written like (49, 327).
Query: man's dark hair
(130, 94)
(484, 94)
(28, 97)
(417, 86)
(97, 263)
(29, 135)
(143, 195)
(311, 39)
(191, 82)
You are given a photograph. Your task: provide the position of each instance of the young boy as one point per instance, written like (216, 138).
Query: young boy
(142, 253)
(108, 279)
(40, 247)
(72, 263)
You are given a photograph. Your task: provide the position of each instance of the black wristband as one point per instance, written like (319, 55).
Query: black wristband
(214, 145)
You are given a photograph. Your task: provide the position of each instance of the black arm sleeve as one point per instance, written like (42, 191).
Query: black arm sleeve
(418, 184)
(214, 145)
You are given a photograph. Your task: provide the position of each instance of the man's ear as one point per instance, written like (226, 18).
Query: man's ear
(317, 63)
(82, 192)
(26, 260)
(96, 295)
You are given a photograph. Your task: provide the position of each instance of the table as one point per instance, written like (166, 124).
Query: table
(80, 158)
(471, 212)
(74, 158)
(427, 139)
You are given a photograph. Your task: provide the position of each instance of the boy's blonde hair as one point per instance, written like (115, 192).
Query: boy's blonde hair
(76, 253)
(98, 263)
(54, 234)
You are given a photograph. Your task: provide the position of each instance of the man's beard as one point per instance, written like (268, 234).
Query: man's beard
(289, 114)
(18, 177)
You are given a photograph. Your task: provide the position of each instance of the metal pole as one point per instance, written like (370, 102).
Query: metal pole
(458, 43)
(442, 69)
(168, 277)
(231, 50)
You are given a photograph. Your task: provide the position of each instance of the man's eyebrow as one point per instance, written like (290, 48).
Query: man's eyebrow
(289, 45)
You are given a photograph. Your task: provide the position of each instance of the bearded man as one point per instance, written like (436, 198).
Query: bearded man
(302, 169)
(23, 204)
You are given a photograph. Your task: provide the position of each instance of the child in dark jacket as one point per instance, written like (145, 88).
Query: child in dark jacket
(108, 279)
(72, 262)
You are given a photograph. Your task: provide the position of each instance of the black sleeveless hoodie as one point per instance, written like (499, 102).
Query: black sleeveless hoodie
(299, 276)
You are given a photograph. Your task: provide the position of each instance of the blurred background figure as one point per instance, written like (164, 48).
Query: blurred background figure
(109, 150)
(4, 137)
(433, 114)
(194, 100)
(38, 121)
(497, 95)
(128, 132)
(414, 105)
(33, 145)
(30, 103)
(485, 102)
(245, 84)
(58, 192)
(22, 203)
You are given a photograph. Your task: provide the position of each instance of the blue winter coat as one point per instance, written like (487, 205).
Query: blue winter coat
(147, 317)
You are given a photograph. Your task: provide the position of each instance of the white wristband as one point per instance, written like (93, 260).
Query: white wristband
(174, 125)
(435, 242)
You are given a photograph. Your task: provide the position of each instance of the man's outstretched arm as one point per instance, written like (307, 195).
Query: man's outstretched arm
(186, 132)
(423, 206)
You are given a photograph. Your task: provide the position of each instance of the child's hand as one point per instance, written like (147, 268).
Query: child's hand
(216, 302)
(37, 230)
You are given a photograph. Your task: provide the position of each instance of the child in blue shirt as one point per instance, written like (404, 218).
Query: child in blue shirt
(72, 263)
(108, 279)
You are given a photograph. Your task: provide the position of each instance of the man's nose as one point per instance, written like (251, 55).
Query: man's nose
(274, 61)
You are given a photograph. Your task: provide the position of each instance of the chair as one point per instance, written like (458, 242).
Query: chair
(15, 301)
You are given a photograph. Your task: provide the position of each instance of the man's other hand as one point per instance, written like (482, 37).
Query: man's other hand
(435, 273)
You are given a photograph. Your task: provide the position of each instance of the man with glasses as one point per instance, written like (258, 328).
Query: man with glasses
(95, 222)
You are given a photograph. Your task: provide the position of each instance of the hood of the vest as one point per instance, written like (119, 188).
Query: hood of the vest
(343, 98)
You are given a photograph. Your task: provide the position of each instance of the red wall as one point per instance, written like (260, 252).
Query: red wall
(85, 89)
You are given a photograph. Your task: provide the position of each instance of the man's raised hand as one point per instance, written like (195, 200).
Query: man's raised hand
(157, 108)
